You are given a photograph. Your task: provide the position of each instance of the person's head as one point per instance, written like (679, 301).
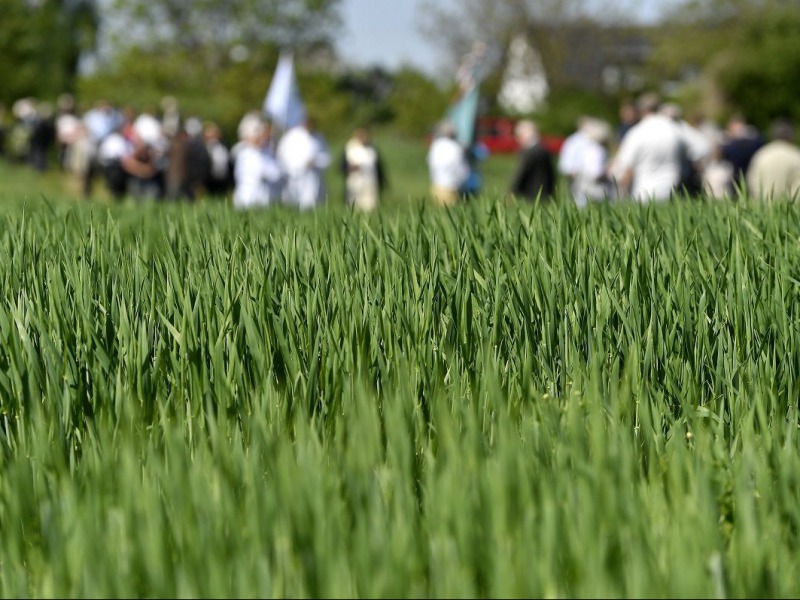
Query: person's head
(526, 132)
(251, 128)
(672, 111)
(361, 134)
(211, 131)
(737, 126)
(597, 130)
(66, 103)
(628, 113)
(782, 129)
(648, 103)
(169, 104)
(193, 127)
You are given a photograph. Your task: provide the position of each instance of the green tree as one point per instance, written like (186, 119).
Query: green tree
(215, 56)
(417, 103)
(747, 51)
(41, 45)
(217, 31)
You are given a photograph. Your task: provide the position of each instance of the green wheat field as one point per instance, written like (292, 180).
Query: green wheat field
(500, 400)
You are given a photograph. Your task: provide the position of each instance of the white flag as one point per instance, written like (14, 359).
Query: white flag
(283, 104)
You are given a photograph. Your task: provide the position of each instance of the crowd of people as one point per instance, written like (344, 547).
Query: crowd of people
(653, 154)
(164, 156)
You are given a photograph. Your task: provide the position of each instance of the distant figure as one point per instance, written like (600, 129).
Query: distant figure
(303, 156)
(590, 176)
(68, 128)
(126, 164)
(219, 177)
(447, 165)
(476, 154)
(21, 130)
(697, 150)
(535, 175)
(649, 163)
(256, 173)
(571, 153)
(150, 147)
(170, 116)
(717, 173)
(744, 140)
(79, 156)
(628, 117)
(362, 168)
(188, 162)
(774, 171)
(43, 136)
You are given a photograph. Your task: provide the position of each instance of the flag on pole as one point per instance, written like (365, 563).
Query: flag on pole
(464, 111)
(462, 115)
(283, 104)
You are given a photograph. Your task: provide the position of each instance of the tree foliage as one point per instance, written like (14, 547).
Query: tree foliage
(416, 102)
(216, 57)
(748, 51)
(41, 43)
(215, 30)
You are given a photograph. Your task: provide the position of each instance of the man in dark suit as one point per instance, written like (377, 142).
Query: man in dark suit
(534, 178)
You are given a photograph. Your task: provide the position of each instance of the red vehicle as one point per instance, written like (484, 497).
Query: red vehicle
(497, 134)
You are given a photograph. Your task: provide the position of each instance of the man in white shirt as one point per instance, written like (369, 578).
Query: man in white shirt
(303, 156)
(590, 181)
(570, 156)
(649, 163)
(447, 164)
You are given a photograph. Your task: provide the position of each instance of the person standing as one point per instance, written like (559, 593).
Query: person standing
(476, 154)
(362, 168)
(774, 171)
(100, 121)
(447, 165)
(743, 142)
(256, 173)
(717, 173)
(43, 136)
(590, 178)
(649, 164)
(697, 150)
(534, 178)
(219, 177)
(572, 152)
(303, 156)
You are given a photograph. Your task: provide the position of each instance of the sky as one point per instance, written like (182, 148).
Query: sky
(386, 33)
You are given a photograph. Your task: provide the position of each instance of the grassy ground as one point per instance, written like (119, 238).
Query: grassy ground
(498, 400)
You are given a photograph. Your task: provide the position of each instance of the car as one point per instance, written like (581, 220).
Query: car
(497, 134)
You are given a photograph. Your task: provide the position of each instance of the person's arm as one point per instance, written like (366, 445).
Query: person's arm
(625, 182)
(137, 167)
(622, 166)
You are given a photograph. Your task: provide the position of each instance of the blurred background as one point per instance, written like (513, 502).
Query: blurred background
(395, 67)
